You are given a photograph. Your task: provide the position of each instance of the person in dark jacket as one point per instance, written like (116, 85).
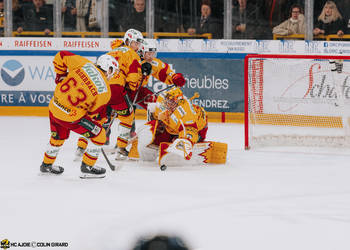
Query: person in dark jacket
(206, 23)
(137, 18)
(38, 17)
(330, 21)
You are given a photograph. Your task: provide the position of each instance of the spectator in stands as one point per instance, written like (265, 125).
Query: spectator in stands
(330, 21)
(248, 21)
(17, 16)
(73, 15)
(239, 16)
(206, 23)
(137, 18)
(95, 15)
(294, 25)
(38, 17)
(69, 12)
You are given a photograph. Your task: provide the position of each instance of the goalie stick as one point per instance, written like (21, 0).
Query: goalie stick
(157, 93)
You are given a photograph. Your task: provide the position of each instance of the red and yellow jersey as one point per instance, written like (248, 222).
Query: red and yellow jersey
(84, 91)
(130, 74)
(160, 71)
(186, 121)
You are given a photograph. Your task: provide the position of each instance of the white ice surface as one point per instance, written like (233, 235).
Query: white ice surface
(258, 200)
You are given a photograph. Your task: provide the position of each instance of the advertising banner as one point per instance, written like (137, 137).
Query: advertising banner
(300, 87)
(29, 80)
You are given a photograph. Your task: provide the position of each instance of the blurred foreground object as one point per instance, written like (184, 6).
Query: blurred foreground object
(160, 242)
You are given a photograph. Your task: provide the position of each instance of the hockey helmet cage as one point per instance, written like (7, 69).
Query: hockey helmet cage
(132, 35)
(108, 64)
(172, 98)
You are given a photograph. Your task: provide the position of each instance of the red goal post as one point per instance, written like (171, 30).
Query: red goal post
(297, 100)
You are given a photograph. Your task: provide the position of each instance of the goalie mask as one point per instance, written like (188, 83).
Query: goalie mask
(172, 98)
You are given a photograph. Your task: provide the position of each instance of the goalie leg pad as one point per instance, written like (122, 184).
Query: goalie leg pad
(145, 137)
(210, 152)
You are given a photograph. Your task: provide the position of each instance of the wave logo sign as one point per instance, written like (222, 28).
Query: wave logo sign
(12, 72)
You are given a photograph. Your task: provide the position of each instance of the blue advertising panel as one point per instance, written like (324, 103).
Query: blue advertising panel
(27, 77)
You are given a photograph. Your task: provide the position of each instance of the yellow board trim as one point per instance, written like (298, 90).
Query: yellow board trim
(141, 114)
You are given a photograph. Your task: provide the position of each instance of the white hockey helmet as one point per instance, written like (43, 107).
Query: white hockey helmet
(132, 35)
(148, 46)
(109, 64)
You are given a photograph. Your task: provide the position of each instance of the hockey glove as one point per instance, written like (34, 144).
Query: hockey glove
(178, 80)
(59, 77)
(146, 69)
(93, 128)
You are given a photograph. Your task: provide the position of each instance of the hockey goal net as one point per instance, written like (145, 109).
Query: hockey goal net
(297, 100)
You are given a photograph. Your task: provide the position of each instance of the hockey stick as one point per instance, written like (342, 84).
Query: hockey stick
(138, 90)
(111, 166)
(160, 91)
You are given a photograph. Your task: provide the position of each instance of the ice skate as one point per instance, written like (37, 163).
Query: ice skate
(121, 154)
(79, 154)
(49, 169)
(91, 172)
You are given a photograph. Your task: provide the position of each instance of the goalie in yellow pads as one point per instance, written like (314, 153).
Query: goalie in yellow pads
(175, 133)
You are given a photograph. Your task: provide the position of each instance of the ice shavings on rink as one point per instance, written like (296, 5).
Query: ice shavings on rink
(258, 200)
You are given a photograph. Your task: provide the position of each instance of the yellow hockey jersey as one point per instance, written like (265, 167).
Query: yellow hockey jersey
(160, 71)
(84, 91)
(187, 121)
(130, 74)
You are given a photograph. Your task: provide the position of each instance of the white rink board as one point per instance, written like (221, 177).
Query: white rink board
(183, 45)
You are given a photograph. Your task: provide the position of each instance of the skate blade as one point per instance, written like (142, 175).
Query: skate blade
(49, 174)
(92, 176)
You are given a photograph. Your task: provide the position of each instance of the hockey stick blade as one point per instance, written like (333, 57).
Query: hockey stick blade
(111, 166)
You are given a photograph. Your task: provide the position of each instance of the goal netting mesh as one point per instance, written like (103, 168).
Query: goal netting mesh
(297, 101)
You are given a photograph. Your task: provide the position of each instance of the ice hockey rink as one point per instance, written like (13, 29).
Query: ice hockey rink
(260, 199)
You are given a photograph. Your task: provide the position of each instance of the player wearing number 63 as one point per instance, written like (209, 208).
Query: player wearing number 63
(176, 133)
(79, 104)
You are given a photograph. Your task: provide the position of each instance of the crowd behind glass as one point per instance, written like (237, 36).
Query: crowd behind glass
(251, 19)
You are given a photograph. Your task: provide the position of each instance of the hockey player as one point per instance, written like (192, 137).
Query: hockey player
(122, 84)
(126, 88)
(79, 105)
(159, 70)
(177, 125)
